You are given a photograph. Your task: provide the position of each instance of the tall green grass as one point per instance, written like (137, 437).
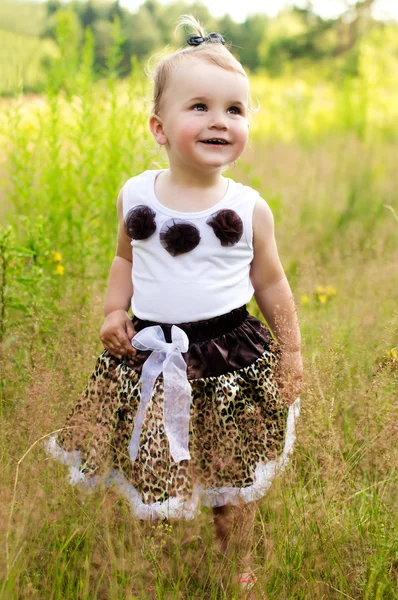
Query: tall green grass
(22, 59)
(328, 526)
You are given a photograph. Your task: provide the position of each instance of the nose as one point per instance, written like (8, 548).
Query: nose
(218, 121)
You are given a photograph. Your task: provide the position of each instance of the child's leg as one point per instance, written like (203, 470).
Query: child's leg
(234, 527)
(234, 531)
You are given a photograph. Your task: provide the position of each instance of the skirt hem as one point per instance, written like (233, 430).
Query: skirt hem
(180, 508)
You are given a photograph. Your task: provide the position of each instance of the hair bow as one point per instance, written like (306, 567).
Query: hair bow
(196, 40)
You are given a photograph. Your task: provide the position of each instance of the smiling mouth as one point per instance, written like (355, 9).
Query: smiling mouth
(215, 142)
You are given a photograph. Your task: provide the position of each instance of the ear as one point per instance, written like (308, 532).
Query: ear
(156, 127)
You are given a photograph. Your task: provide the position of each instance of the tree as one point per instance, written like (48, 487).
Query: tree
(143, 36)
(53, 6)
(88, 15)
(353, 24)
(116, 11)
(246, 39)
(231, 31)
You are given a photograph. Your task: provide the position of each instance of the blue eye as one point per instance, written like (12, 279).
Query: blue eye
(200, 107)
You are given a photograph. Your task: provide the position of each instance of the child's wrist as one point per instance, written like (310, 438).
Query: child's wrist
(108, 312)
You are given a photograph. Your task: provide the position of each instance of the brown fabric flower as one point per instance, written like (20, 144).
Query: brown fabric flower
(179, 237)
(140, 222)
(227, 226)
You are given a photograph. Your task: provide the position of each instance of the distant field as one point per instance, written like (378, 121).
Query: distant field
(21, 49)
(27, 18)
(21, 61)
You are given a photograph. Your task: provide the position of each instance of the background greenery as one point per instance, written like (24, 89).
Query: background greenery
(323, 154)
(296, 40)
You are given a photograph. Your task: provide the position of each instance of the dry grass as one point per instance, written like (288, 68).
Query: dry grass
(328, 527)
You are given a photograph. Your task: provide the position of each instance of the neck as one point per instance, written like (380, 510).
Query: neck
(194, 178)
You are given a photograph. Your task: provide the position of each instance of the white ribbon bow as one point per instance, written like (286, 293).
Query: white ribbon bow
(166, 357)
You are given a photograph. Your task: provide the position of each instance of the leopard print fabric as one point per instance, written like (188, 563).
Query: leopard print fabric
(238, 420)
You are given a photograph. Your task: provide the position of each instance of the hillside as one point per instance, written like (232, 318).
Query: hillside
(26, 18)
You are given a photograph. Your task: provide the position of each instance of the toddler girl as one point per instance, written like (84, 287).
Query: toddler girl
(189, 403)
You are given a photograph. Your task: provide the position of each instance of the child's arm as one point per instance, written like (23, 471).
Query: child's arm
(275, 299)
(117, 330)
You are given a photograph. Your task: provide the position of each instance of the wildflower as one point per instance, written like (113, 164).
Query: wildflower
(60, 269)
(56, 256)
(323, 293)
(390, 358)
(304, 299)
(391, 354)
(330, 291)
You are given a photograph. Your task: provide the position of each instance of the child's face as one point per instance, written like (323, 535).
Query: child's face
(203, 102)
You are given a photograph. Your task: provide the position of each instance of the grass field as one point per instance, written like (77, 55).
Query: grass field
(21, 60)
(327, 529)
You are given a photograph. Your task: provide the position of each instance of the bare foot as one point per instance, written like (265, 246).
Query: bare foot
(247, 583)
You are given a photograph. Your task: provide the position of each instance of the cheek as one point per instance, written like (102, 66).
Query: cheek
(188, 132)
(242, 134)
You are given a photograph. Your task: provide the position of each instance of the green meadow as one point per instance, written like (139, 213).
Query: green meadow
(323, 154)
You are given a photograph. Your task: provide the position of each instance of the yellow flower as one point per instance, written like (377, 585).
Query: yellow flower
(304, 299)
(320, 289)
(330, 291)
(60, 269)
(56, 256)
(322, 298)
(392, 354)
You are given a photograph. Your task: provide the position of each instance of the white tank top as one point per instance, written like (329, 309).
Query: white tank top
(188, 266)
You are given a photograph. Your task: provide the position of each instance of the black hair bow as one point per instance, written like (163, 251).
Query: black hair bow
(196, 40)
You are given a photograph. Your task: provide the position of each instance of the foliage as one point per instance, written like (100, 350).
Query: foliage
(28, 293)
(58, 152)
(21, 61)
(323, 155)
(25, 18)
(296, 39)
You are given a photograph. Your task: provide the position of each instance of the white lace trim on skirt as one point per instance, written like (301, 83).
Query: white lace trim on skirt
(178, 508)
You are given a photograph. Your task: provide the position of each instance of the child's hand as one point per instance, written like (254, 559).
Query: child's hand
(116, 334)
(290, 375)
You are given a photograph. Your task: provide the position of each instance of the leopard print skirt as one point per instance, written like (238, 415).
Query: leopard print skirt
(240, 431)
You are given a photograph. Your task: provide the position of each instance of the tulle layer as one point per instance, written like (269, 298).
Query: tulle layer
(240, 430)
(181, 508)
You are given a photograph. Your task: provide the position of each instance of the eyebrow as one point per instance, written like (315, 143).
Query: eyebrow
(203, 98)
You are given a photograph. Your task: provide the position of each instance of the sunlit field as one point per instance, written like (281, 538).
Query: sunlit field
(324, 156)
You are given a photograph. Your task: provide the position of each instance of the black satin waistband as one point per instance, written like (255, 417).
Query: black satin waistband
(201, 331)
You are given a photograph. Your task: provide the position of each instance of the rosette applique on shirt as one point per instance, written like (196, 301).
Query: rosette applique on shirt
(227, 226)
(179, 236)
(140, 222)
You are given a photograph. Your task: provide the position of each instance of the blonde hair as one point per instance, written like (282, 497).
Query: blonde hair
(210, 51)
